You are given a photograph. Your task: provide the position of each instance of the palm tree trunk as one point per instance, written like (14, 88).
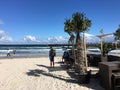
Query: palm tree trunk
(80, 62)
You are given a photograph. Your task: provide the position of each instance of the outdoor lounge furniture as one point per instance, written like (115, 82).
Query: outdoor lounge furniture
(116, 80)
(106, 71)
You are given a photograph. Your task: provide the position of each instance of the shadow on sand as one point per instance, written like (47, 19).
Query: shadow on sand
(74, 78)
(38, 72)
(56, 68)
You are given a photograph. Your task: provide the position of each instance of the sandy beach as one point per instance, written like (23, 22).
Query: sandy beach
(36, 74)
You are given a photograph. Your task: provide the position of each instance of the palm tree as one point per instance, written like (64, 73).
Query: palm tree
(78, 24)
(117, 34)
(68, 28)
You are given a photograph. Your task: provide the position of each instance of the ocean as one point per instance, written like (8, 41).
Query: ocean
(30, 50)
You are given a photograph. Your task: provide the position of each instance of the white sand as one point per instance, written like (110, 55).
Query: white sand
(35, 74)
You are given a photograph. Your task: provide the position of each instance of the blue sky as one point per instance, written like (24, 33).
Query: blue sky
(43, 20)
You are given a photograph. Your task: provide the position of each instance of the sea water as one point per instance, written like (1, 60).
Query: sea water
(29, 50)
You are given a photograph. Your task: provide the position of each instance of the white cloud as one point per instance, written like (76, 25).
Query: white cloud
(54, 40)
(4, 37)
(109, 38)
(30, 38)
(64, 40)
(1, 22)
(88, 35)
(2, 33)
(93, 39)
(49, 40)
(58, 39)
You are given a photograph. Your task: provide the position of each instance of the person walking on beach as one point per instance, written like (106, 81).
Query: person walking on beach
(52, 54)
(8, 52)
(14, 51)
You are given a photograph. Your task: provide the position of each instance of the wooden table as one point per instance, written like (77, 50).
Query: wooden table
(105, 71)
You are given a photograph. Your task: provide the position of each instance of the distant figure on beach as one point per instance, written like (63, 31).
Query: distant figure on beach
(8, 52)
(66, 56)
(63, 57)
(14, 51)
(52, 54)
